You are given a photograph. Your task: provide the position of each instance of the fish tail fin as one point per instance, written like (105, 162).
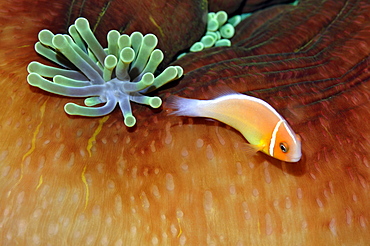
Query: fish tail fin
(183, 106)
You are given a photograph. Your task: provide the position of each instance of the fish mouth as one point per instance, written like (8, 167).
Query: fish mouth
(295, 159)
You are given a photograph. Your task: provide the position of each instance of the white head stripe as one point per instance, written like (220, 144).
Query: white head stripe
(290, 132)
(273, 138)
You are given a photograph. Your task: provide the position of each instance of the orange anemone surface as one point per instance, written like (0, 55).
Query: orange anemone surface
(69, 180)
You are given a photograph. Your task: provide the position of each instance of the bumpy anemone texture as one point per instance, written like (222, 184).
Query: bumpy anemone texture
(186, 181)
(118, 74)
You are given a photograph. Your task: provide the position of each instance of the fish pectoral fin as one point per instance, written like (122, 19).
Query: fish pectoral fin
(251, 149)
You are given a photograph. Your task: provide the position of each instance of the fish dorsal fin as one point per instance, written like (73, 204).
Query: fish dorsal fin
(220, 91)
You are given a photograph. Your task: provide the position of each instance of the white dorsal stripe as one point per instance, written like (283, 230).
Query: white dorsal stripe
(250, 98)
(273, 137)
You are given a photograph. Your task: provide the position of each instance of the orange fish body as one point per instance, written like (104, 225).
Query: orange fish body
(263, 127)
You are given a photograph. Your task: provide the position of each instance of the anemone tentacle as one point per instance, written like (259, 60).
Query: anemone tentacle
(118, 74)
(220, 29)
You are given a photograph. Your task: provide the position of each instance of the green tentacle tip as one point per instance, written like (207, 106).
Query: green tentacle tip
(124, 41)
(235, 20)
(130, 120)
(82, 24)
(208, 41)
(119, 74)
(198, 46)
(60, 42)
(147, 79)
(155, 102)
(295, 3)
(92, 101)
(71, 109)
(180, 71)
(127, 55)
(110, 62)
(221, 17)
(46, 37)
(223, 42)
(150, 40)
(212, 25)
(113, 36)
(227, 31)
(219, 26)
(34, 79)
(32, 67)
(219, 31)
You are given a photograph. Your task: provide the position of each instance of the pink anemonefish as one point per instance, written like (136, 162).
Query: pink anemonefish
(264, 128)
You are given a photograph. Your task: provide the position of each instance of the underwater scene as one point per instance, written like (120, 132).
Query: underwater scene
(239, 122)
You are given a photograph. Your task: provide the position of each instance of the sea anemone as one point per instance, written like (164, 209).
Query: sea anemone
(184, 181)
(118, 74)
(220, 30)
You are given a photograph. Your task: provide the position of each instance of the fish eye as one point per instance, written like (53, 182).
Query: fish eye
(284, 147)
